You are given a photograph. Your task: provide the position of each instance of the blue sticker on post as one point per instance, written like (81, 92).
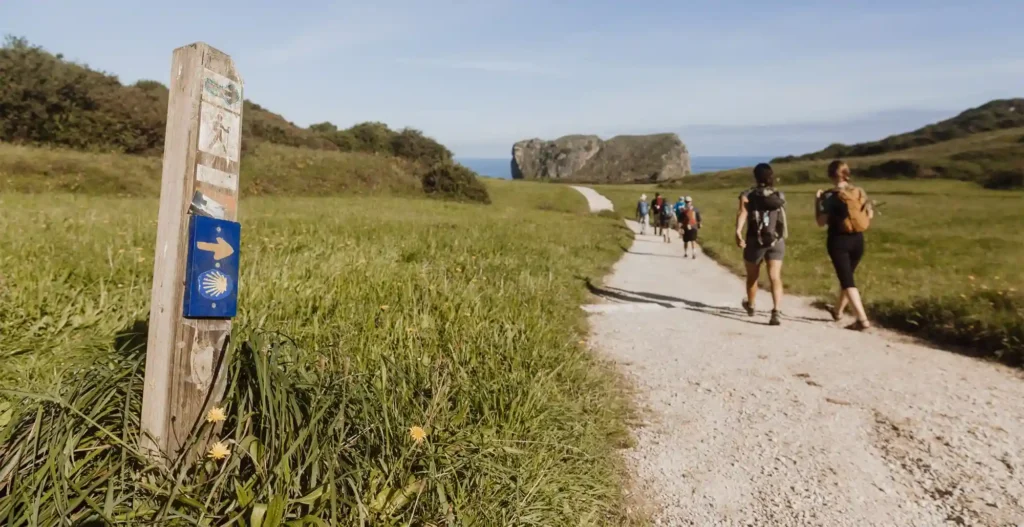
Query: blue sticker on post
(211, 272)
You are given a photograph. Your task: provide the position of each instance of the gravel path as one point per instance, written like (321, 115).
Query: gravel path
(802, 424)
(597, 201)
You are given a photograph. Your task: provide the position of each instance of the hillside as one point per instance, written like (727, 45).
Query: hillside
(994, 160)
(991, 116)
(71, 128)
(588, 158)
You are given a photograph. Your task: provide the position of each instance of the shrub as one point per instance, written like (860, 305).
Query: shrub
(454, 181)
(46, 100)
(1005, 180)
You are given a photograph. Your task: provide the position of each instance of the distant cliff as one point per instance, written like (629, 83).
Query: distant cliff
(587, 158)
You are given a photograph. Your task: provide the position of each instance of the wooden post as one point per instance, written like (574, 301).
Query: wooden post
(186, 358)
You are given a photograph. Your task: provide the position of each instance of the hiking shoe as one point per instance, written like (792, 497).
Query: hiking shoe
(859, 325)
(775, 320)
(694, 256)
(749, 307)
(835, 314)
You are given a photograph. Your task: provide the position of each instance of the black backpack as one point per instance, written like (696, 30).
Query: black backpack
(766, 207)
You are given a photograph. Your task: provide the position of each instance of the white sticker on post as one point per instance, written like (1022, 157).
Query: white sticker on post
(219, 132)
(217, 178)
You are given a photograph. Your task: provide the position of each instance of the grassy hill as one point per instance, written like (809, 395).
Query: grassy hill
(994, 115)
(95, 135)
(993, 159)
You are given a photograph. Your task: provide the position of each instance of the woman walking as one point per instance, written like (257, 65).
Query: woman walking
(762, 211)
(846, 211)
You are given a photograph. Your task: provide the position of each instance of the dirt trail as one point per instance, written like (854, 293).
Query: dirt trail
(802, 424)
(597, 201)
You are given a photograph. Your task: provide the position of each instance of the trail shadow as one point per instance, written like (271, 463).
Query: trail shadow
(132, 340)
(669, 302)
(660, 255)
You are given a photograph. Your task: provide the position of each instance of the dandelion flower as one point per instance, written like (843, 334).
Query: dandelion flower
(215, 415)
(417, 434)
(219, 451)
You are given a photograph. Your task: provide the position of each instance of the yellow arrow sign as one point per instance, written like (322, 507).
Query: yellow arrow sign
(220, 250)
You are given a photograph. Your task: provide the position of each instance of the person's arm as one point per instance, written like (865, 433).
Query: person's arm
(700, 221)
(819, 213)
(867, 204)
(741, 220)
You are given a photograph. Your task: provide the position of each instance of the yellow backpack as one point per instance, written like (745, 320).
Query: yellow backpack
(857, 219)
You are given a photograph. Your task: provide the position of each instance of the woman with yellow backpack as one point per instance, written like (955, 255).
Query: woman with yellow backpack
(846, 211)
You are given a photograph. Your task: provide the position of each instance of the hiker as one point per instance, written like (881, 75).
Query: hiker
(762, 211)
(656, 207)
(677, 209)
(643, 213)
(666, 222)
(689, 223)
(846, 211)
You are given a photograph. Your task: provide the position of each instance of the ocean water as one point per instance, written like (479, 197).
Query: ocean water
(502, 167)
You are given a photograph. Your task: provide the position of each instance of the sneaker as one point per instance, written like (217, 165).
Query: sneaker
(694, 256)
(859, 325)
(775, 320)
(749, 307)
(835, 314)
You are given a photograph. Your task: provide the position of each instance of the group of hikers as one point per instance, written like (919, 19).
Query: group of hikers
(683, 214)
(762, 229)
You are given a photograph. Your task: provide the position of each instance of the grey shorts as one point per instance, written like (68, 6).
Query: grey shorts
(754, 253)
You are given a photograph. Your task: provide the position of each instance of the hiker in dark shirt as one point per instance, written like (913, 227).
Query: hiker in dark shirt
(762, 213)
(846, 211)
(657, 204)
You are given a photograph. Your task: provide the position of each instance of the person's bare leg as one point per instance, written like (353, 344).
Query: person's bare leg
(858, 306)
(775, 275)
(842, 302)
(753, 273)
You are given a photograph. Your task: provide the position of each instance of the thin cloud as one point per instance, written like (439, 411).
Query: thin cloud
(484, 65)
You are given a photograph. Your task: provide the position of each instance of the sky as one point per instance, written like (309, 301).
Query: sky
(731, 77)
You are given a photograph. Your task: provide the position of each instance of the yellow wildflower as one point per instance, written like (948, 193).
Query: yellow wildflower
(417, 434)
(219, 451)
(215, 415)
(384, 308)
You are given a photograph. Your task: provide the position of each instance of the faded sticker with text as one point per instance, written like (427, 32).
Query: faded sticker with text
(222, 91)
(217, 178)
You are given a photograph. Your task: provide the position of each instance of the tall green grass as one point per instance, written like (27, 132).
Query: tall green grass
(356, 323)
(943, 257)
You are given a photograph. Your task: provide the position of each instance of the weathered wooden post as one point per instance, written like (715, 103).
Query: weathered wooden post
(195, 273)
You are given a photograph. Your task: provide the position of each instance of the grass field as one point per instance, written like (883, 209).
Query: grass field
(355, 324)
(943, 257)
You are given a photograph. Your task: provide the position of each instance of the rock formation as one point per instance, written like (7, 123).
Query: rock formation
(587, 158)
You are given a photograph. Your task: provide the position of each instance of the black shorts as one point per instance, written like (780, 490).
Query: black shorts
(690, 235)
(665, 222)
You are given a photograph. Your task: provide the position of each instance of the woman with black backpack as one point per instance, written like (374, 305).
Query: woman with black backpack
(846, 211)
(762, 212)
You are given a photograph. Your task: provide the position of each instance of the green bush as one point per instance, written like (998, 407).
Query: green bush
(454, 181)
(1006, 180)
(46, 100)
